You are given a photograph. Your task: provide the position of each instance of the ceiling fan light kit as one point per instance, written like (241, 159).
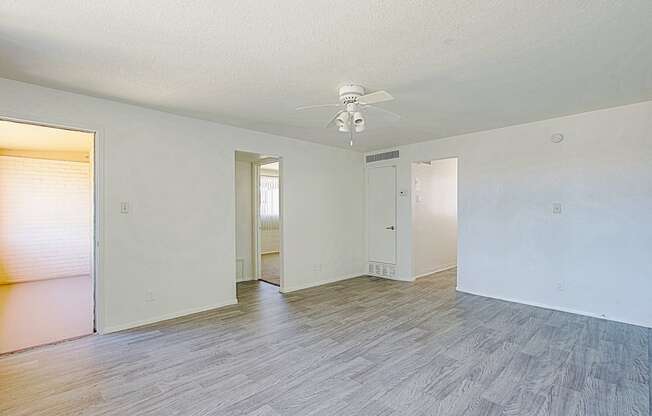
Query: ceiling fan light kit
(343, 121)
(357, 118)
(353, 102)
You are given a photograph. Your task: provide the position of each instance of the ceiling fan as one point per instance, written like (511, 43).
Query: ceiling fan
(354, 104)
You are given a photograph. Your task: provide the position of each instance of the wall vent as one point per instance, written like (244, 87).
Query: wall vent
(382, 270)
(382, 156)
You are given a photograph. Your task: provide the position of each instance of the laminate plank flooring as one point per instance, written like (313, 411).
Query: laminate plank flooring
(270, 269)
(363, 346)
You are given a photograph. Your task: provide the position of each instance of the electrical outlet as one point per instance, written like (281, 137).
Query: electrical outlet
(149, 296)
(560, 287)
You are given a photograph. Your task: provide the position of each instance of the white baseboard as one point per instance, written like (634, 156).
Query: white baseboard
(437, 270)
(558, 308)
(134, 324)
(319, 283)
(397, 278)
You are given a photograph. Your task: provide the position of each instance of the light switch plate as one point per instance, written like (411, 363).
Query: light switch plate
(556, 208)
(124, 207)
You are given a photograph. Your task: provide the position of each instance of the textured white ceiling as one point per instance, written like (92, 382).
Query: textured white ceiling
(454, 66)
(21, 136)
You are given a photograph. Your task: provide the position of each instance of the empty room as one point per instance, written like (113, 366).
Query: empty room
(326, 208)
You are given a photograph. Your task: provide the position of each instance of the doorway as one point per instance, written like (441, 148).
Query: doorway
(258, 189)
(434, 217)
(46, 235)
(268, 218)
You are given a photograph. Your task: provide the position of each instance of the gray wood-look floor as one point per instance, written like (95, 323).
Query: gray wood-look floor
(363, 346)
(270, 268)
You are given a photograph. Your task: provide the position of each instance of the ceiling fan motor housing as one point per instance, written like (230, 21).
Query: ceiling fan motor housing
(350, 93)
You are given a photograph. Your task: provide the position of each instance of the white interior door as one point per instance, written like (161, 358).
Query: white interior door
(381, 214)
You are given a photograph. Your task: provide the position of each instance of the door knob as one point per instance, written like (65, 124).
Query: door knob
(391, 227)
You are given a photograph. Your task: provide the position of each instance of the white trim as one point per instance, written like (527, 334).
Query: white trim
(440, 269)
(558, 308)
(321, 282)
(100, 209)
(281, 221)
(255, 190)
(168, 316)
(396, 278)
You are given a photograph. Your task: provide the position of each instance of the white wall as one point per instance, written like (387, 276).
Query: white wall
(45, 219)
(594, 258)
(268, 172)
(434, 216)
(178, 241)
(244, 218)
(270, 241)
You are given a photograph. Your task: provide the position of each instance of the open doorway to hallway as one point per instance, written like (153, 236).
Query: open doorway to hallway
(258, 218)
(46, 235)
(269, 222)
(434, 217)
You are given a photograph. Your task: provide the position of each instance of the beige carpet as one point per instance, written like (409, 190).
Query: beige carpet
(270, 268)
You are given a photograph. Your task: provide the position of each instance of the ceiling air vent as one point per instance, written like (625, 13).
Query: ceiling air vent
(382, 156)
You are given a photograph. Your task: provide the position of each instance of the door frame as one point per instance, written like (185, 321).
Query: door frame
(257, 246)
(98, 208)
(367, 171)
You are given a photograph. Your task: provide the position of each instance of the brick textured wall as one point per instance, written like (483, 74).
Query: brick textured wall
(45, 219)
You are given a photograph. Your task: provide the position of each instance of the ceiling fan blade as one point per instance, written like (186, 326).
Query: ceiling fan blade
(392, 116)
(332, 121)
(309, 107)
(375, 97)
